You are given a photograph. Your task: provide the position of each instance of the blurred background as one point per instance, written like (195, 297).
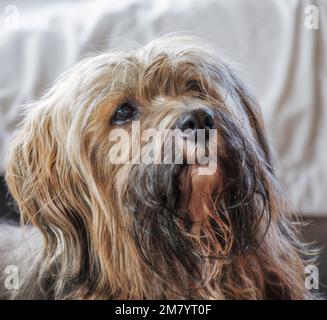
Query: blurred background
(279, 47)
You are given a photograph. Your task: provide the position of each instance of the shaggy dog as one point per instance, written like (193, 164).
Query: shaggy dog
(95, 229)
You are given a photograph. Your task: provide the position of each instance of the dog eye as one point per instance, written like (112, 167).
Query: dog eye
(194, 86)
(125, 113)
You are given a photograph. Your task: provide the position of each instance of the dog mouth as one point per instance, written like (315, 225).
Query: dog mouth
(171, 204)
(187, 190)
(182, 191)
(198, 193)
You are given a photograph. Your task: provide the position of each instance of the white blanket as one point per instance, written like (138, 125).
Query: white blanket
(283, 62)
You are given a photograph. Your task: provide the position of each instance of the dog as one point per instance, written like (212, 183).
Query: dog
(94, 229)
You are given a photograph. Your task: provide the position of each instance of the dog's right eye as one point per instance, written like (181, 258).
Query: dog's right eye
(125, 113)
(193, 85)
(195, 88)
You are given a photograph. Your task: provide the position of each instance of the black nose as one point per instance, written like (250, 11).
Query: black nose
(202, 118)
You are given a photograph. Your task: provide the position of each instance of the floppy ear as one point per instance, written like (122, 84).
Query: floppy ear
(262, 213)
(254, 114)
(49, 194)
(245, 100)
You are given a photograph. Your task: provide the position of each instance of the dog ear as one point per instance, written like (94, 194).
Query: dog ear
(280, 254)
(254, 114)
(243, 97)
(48, 193)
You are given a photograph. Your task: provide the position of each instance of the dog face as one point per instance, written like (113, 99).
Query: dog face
(139, 229)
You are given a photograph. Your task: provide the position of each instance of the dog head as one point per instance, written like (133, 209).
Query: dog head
(136, 228)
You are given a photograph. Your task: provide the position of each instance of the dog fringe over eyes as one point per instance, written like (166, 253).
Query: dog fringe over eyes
(126, 231)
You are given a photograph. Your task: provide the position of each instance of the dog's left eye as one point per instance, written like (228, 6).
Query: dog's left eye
(125, 113)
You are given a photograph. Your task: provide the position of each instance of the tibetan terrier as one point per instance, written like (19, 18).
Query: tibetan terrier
(104, 221)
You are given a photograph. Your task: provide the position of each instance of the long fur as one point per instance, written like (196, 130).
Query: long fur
(127, 231)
